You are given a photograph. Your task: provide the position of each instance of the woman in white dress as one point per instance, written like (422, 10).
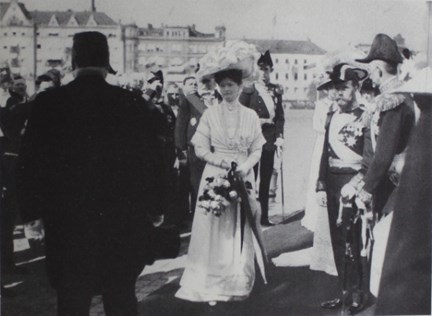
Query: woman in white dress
(218, 266)
(320, 256)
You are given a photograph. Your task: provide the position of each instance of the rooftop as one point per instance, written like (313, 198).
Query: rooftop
(287, 46)
(63, 17)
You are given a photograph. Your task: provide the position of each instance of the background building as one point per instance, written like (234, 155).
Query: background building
(295, 66)
(167, 45)
(34, 41)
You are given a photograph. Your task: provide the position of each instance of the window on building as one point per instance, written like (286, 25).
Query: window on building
(5, 33)
(295, 61)
(14, 33)
(167, 33)
(305, 90)
(276, 61)
(23, 47)
(53, 34)
(286, 61)
(286, 76)
(305, 61)
(286, 89)
(305, 76)
(111, 35)
(314, 76)
(295, 90)
(276, 75)
(15, 62)
(14, 49)
(39, 46)
(295, 76)
(23, 34)
(5, 47)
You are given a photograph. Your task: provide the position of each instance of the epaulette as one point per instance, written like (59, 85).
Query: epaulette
(388, 101)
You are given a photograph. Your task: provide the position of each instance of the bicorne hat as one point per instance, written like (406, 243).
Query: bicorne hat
(90, 49)
(344, 72)
(265, 59)
(383, 48)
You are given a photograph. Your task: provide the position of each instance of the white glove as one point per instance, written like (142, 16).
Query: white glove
(365, 197)
(348, 191)
(243, 170)
(321, 197)
(158, 220)
(34, 230)
(176, 164)
(279, 146)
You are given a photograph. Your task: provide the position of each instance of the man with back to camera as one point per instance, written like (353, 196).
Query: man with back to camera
(89, 167)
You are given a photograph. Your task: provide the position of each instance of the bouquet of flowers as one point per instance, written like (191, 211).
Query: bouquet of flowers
(219, 193)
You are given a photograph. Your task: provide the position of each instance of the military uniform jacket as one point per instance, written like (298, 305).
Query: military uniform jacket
(343, 145)
(390, 130)
(90, 166)
(190, 111)
(251, 98)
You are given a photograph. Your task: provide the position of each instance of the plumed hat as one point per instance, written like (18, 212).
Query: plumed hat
(265, 59)
(344, 72)
(90, 49)
(383, 48)
(158, 75)
(325, 82)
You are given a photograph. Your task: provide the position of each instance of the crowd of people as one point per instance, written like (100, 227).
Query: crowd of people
(97, 170)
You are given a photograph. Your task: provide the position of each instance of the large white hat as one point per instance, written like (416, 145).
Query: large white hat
(421, 82)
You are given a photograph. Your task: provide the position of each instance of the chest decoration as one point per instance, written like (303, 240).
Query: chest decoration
(193, 121)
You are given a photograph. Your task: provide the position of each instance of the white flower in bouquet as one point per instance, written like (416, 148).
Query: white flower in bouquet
(219, 181)
(211, 193)
(205, 204)
(226, 184)
(214, 205)
(233, 195)
(225, 202)
(218, 198)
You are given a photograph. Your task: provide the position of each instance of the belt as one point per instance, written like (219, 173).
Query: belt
(339, 163)
(265, 121)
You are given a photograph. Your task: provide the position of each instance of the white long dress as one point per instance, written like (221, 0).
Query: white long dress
(320, 256)
(216, 267)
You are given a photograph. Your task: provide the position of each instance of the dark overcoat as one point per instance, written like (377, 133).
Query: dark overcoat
(90, 168)
(405, 287)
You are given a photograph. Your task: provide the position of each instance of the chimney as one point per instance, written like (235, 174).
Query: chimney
(93, 6)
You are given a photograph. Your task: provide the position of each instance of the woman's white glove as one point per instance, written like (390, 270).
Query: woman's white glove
(243, 170)
(34, 230)
(321, 197)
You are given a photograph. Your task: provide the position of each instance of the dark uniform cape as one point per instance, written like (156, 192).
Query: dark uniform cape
(271, 130)
(191, 109)
(393, 122)
(90, 168)
(405, 287)
(176, 201)
(340, 161)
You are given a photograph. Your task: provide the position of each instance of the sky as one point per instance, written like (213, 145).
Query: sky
(331, 24)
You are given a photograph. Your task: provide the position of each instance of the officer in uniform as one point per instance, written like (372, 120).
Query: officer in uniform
(190, 110)
(391, 125)
(266, 99)
(341, 161)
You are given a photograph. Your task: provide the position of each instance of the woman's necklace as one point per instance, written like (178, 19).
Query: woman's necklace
(230, 122)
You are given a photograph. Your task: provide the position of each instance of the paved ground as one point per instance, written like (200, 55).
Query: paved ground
(291, 291)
